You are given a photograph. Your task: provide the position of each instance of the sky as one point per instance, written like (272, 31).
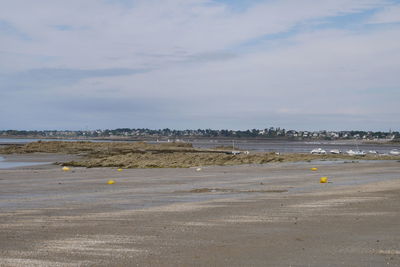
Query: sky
(189, 64)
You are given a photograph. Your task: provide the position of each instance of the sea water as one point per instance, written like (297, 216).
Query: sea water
(15, 164)
(281, 146)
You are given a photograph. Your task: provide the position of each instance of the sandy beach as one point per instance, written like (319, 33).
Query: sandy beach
(275, 214)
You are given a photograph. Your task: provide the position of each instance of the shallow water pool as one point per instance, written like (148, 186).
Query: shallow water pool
(15, 164)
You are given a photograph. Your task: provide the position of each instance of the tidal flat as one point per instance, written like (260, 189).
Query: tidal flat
(275, 214)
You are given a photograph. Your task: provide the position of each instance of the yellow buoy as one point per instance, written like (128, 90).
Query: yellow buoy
(120, 170)
(323, 180)
(111, 182)
(65, 168)
(314, 169)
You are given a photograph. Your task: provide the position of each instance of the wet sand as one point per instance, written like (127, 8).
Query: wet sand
(251, 215)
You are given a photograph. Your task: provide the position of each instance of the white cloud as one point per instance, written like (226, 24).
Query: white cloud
(107, 36)
(193, 51)
(389, 14)
(324, 72)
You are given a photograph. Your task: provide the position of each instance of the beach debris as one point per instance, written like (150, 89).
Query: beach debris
(119, 169)
(111, 182)
(198, 169)
(65, 168)
(314, 169)
(323, 180)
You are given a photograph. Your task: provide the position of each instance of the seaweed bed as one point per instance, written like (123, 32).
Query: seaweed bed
(164, 155)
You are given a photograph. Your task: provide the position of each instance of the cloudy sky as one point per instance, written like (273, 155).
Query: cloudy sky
(237, 64)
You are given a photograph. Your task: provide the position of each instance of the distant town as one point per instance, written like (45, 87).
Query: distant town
(143, 134)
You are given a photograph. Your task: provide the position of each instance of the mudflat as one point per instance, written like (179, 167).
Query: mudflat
(275, 214)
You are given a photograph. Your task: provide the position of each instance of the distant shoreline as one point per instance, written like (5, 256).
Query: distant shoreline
(190, 139)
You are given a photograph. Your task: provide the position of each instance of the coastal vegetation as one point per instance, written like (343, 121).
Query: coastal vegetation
(144, 133)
